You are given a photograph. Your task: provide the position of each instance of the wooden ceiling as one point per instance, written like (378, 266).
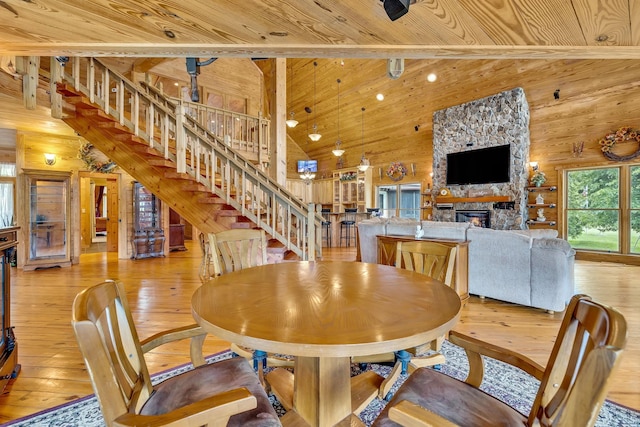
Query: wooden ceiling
(477, 48)
(321, 28)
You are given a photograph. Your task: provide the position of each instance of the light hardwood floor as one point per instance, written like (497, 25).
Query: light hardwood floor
(160, 292)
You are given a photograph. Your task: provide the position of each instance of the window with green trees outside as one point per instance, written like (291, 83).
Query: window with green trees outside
(603, 209)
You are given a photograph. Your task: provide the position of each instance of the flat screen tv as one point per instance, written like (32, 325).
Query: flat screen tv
(481, 166)
(307, 166)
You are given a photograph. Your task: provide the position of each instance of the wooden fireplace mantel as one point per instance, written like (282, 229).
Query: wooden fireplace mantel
(481, 199)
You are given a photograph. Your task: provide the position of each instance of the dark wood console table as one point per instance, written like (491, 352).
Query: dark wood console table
(387, 256)
(9, 366)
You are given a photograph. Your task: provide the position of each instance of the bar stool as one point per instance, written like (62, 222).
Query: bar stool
(347, 224)
(326, 226)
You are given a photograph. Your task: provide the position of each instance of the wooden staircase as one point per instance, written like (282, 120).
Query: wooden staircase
(203, 179)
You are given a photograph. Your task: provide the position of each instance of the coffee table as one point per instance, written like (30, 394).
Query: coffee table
(323, 313)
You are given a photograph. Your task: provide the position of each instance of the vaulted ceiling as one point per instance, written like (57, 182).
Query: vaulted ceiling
(473, 46)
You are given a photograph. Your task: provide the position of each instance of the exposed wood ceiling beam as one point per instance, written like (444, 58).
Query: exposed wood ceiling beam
(321, 51)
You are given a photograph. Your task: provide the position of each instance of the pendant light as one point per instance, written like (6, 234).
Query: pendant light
(315, 136)
(338, 151)
(364, 162)
(292, 122)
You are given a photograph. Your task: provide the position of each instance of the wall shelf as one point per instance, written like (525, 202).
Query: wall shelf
(427, 204)
(534, 222)
(542, 188)
(481, 199)
(541, 205)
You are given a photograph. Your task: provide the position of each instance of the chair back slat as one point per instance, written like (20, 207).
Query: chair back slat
(430, 258)
(110, 346)
(585, 354)
(233, 250)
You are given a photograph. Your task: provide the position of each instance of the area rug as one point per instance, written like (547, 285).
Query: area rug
(503, 381)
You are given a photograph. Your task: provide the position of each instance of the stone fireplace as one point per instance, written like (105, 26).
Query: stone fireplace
(479, 218)
(495, 120)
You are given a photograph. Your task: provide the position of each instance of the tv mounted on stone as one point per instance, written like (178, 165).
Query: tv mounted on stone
(481, 166)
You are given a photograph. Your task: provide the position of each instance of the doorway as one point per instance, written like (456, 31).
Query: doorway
(99, 212)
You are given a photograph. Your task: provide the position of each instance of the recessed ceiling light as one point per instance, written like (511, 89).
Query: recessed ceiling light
(380, 97)
(431, 77)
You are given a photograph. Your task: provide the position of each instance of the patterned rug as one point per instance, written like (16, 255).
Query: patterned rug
(503, 381)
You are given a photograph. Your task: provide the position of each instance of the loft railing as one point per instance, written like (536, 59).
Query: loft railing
(249, 135)
(167, 128)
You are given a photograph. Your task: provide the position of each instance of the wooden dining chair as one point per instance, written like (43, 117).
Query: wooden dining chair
(206, 271)
(233, 250)
(237, 249)
(438, 262)
(572, 389)
(222, 393)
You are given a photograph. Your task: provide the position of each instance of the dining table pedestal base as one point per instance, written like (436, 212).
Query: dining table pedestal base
(322, 391)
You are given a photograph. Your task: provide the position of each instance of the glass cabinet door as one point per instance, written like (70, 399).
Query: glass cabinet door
(148, 235)
(48, 218)
(146, 208)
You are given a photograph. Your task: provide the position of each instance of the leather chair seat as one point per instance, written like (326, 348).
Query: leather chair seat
(455, 400)
(207, 380)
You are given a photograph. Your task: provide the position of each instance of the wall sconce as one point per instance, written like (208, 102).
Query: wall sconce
(534, 166)
(49, 159)
(413, 169)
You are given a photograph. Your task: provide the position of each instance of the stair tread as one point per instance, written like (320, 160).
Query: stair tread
(117, 137)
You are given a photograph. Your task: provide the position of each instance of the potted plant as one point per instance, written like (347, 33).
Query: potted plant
(538, 178)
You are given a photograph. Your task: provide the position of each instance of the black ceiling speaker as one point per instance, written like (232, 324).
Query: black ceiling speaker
(396, 8)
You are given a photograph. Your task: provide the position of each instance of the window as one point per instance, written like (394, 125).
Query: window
(7, 194)
(603, 209)
(400, 200)
(634, 213)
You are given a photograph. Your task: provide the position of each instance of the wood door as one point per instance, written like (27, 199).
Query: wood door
(112, 215)
(86, 207)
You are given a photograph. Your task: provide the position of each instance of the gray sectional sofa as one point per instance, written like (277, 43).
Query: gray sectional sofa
(527, 267)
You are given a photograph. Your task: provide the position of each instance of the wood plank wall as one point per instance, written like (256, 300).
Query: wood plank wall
(594, 97)
(30, 149)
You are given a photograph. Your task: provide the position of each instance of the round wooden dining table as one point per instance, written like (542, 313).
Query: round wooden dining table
(323, 313)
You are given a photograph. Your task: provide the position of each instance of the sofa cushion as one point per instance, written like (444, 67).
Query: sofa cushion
(445, 230)
(374, 220)
(552, 281)
(538, 233)
(401, 226)
(368, 229)
(499, 265)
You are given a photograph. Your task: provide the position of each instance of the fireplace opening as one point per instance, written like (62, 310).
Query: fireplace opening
(479, 218)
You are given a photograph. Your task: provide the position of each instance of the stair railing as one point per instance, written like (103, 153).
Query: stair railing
(161, 124)
(249, 135)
